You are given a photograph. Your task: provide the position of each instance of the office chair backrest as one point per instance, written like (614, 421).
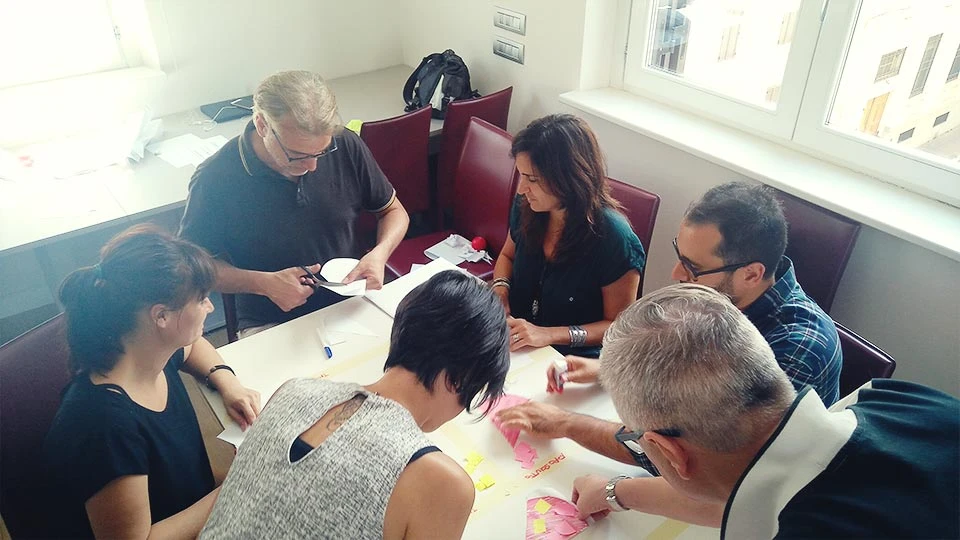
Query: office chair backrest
(819, 243)
(640, 207)
(485, 184)
(494, 108)
(399, 145)
(862, 361)
(34, 370)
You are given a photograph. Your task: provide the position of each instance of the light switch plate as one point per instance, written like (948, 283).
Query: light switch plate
(511, 50)
(510, 21)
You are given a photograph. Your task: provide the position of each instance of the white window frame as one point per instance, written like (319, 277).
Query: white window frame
(918, 171)
(799, 120)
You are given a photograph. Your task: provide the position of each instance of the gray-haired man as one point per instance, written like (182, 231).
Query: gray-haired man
(702, 395)
(286, 193)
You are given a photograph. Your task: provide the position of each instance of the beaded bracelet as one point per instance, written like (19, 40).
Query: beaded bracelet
(214, 369)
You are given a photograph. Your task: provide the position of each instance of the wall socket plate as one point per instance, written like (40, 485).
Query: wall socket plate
(511, 50)
(510, 21)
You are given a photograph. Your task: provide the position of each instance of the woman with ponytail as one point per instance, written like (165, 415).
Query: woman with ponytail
(125, 450)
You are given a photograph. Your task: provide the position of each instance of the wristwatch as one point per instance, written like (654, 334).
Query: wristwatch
(612, 501)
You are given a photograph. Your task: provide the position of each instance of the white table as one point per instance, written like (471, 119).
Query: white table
(33, 213)
(264, 361)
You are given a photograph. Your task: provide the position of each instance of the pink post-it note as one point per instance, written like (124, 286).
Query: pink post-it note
(525, 454)
(505, 402)
(558, 519)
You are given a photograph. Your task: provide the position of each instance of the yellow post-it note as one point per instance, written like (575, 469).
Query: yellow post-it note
(354, 126)
(542, 506)
(539, 526)
(473, 459)
(485, 482)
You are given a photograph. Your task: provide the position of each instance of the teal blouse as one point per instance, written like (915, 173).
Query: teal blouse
(571, 293)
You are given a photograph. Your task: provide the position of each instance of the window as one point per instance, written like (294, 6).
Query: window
(820, 77)
(787, 28)
(44, 40)
(929, 53)
(940, 119)
(889, 65)
(728, 43)
(955, 67)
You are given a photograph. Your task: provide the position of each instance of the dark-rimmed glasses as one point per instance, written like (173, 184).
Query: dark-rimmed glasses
(695, 274)
(631, 439)
(329, 150)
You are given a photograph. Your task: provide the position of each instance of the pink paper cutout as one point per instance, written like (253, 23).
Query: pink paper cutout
(525, 454)
(505, 402)
(560, 523)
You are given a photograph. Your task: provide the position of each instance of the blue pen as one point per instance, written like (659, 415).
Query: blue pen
(322, 333)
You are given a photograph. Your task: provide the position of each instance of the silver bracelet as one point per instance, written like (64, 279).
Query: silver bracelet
(500, 282)
(578, 336)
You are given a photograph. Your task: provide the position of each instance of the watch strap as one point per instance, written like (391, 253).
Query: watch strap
(612, 501)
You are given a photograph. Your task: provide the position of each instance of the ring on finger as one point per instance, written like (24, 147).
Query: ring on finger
(516, 338)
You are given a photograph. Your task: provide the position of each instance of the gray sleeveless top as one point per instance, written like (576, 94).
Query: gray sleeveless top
(340, 489)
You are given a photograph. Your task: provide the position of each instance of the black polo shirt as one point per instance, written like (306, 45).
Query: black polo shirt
(243, 211)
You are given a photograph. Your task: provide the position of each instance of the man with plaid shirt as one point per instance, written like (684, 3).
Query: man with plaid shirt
(733, 240)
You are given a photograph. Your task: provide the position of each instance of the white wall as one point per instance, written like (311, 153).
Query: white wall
(904, 298)
(554, 37)
(217, 49)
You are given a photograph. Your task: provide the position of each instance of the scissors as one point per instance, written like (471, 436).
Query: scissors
(316, 282)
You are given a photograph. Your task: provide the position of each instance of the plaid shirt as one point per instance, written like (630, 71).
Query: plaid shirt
(803, 338)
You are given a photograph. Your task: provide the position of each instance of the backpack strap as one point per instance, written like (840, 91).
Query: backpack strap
(411, 83)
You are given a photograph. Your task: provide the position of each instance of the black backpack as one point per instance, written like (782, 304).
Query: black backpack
(439, 79)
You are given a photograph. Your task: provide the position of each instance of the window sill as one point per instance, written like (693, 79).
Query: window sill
(888, 208)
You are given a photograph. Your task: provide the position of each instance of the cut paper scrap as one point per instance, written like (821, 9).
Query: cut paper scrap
(552, 518)
(505, 402)
(473, 459)
(485, 481)
(525, 454)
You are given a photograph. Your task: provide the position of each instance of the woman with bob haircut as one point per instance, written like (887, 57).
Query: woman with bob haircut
(339, 460)
(125, 453)
(571, 262)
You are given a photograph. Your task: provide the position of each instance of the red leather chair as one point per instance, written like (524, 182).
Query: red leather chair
(399, 145)
(819, 243)
(493, 108)
(34, 370)
(862, 361)
(485, 185)
(640, 207)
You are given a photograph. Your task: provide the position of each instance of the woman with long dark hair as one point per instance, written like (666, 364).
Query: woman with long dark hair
(125, 451)
(571, 261)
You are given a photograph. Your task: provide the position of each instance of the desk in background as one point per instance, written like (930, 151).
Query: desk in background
(266, 360)
(32, 215)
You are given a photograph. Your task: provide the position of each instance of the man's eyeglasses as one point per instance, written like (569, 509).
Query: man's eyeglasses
(695, 274)
(293, 159)
(630, 439)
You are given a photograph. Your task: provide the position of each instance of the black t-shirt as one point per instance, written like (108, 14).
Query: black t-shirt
(100, 434)
(243, 211)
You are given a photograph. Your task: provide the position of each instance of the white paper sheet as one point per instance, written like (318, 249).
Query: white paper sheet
(388, 298)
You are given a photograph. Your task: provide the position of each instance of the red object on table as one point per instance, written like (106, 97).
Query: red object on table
(478, 243)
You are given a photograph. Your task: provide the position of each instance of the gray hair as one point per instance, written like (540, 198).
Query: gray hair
(686, 358)
(303, 96)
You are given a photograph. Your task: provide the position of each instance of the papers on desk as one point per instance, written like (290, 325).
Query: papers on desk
(388, 298)
(336, 270)
(187, 149)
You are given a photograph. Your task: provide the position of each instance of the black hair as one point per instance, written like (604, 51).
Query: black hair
(140, 267)
(453, 324)
(567, 156)
(750, 220)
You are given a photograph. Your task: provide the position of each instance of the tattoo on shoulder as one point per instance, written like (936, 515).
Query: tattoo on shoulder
(346, 410)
